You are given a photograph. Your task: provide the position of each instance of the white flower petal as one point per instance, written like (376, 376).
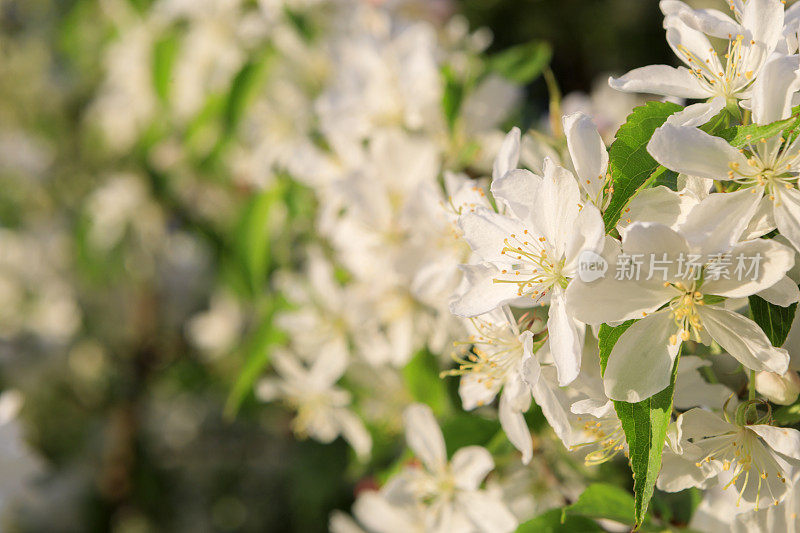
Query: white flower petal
(694, 152)
(763, 19)
(518, 190)
(709, 21)
(682, 39)
(698, 114)
(483, 294)
(599, 301)
(487, 512)
(555, 406)
(644, 345)
(558, 199)
(514, 425)
(424, 436)
(787, 216)
(658, 204)
(470, 465)
(773, 89)
(588, 233)
(485, 231)
(589, 155)
(783, 294)
(566, 339)
(508, 157)
(776, 260)
(699, 424)
(474, 391)
(662, 80)
(743, 339)
(785, 441)
(377, 514)
(354, 432)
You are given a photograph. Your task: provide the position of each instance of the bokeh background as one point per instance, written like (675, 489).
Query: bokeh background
(135, 294)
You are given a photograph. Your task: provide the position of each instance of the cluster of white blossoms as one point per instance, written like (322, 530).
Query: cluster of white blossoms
(550, 274)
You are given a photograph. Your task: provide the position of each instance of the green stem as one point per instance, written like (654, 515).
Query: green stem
(752, 385)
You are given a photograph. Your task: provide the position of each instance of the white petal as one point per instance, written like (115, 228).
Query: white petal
(514, 425)
(651, 237)
(709, 21)
(773, 89)
(485, 231)
(589, 155)
(763, 19)
(594, 407)
(787, 216)
(718, 222)
(783, 294)
(377, 514)
(776, 261)
(658, 204)
(785, 441)
(559, 199)
(330, 365)
(698, 114)
(661, 79)
(555, 406)
(644, 345)
(566, 339)
(508, 157)
(354, 433)
(599, 301)
(588, 233)
(482, 293)
(470, 466)
(339, 522)
(681, 38)
(487, 512)
(679, 473)
(518, 190)
(424, 436)
(531, 370)
(694, 152)
(474, 391)
(743, 339)
(699, 424)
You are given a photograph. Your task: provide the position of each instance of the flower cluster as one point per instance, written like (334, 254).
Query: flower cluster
(344, 208)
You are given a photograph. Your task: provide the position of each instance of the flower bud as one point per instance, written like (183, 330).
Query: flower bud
(779, 389)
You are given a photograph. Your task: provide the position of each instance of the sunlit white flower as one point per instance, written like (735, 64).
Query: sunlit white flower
(532, 252)
(756, 458)
(673, 303)
(752, 37)
(497, 356)
(451, 490)
(321, 406)
(766, 167)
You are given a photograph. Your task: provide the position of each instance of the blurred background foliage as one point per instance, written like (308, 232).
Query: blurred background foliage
(139, 428)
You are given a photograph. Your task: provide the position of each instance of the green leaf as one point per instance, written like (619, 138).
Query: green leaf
(645, 425)
(256, 354)
(164, 53)
(422, 379)
(253, 238)
(551, 522)
(776, 321)
(243, 91)
(787, 415)
(739, 136)
(632, 167)
(452, 97)
(601, 500)
(522, 63)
